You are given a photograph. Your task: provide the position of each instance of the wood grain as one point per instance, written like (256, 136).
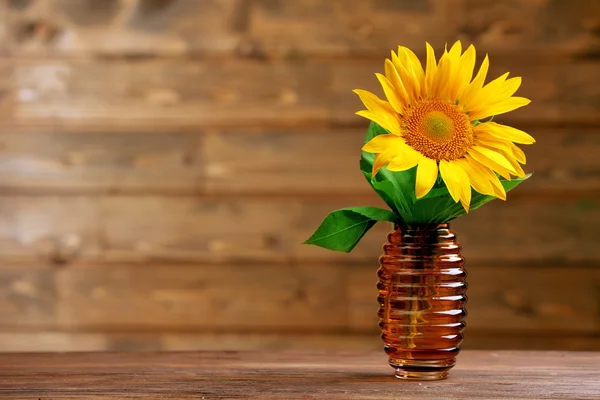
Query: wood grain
(41, 340)
(4, 41)
(255, 162)
(342, 375)
(280, 298)
(174, 297)
(530, 28)
(124, 28)
(246, 162)
(109, 229)
(154, 94)
(342, 28)
(303, 28)
(107, 162)
(216, 297)
(296, 162)
(211, 298)
(278, 161)
(51, 228)
(85, 95)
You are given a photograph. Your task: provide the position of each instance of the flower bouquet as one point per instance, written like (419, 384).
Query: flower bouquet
(433, 153)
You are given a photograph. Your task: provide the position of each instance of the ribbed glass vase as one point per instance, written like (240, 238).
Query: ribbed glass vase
(422, 285)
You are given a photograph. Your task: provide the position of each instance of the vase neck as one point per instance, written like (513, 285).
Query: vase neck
(417, 228)
(427, 237)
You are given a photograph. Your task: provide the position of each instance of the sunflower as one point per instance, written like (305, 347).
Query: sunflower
(439, 120)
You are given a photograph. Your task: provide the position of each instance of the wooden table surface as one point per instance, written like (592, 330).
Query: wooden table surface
(287, 375)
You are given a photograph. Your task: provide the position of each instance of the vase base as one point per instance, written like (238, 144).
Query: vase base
(402, 373)
(422, 370)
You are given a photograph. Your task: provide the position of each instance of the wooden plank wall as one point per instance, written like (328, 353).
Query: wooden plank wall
(162, 160)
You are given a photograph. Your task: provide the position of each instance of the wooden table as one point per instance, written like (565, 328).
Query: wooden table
(287, 375)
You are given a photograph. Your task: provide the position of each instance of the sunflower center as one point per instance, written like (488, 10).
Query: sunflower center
(437, 126)
(438, 130)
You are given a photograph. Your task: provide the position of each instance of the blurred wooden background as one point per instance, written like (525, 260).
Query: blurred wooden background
(162, 160)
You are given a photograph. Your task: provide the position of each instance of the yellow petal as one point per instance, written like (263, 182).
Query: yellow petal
(430, 71)
(506, 132)
(486, 96)
(495, 85)
(427, 173)
(465, 179)
(493, 142)
(506, 147)
(413, 59)
(465, 198)
(477, 175)
(501, 107)
(511, 159)
(372, 102)
(517, 166)
(464, 72)
(443, 76)
(455, 51)
(392, 75)
(407, 76)
(492, 155)
(475, 86)
(492, 94)
(383, 143)
(453, 61)
(408, 159)
(495, 92)
(519, 154)
(455, 178)
(381, 160)
(387, 121)
(490, 177)
(379, 111)
(492, 160)
(510, 87)
(414, 65)
(499, 191)
(391, 94)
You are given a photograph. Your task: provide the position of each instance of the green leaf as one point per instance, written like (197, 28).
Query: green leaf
(382, 189)
(342, 229)
(404, 187)
(435, 209)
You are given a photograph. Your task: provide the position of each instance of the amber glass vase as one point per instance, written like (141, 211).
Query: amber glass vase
(422, 300)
